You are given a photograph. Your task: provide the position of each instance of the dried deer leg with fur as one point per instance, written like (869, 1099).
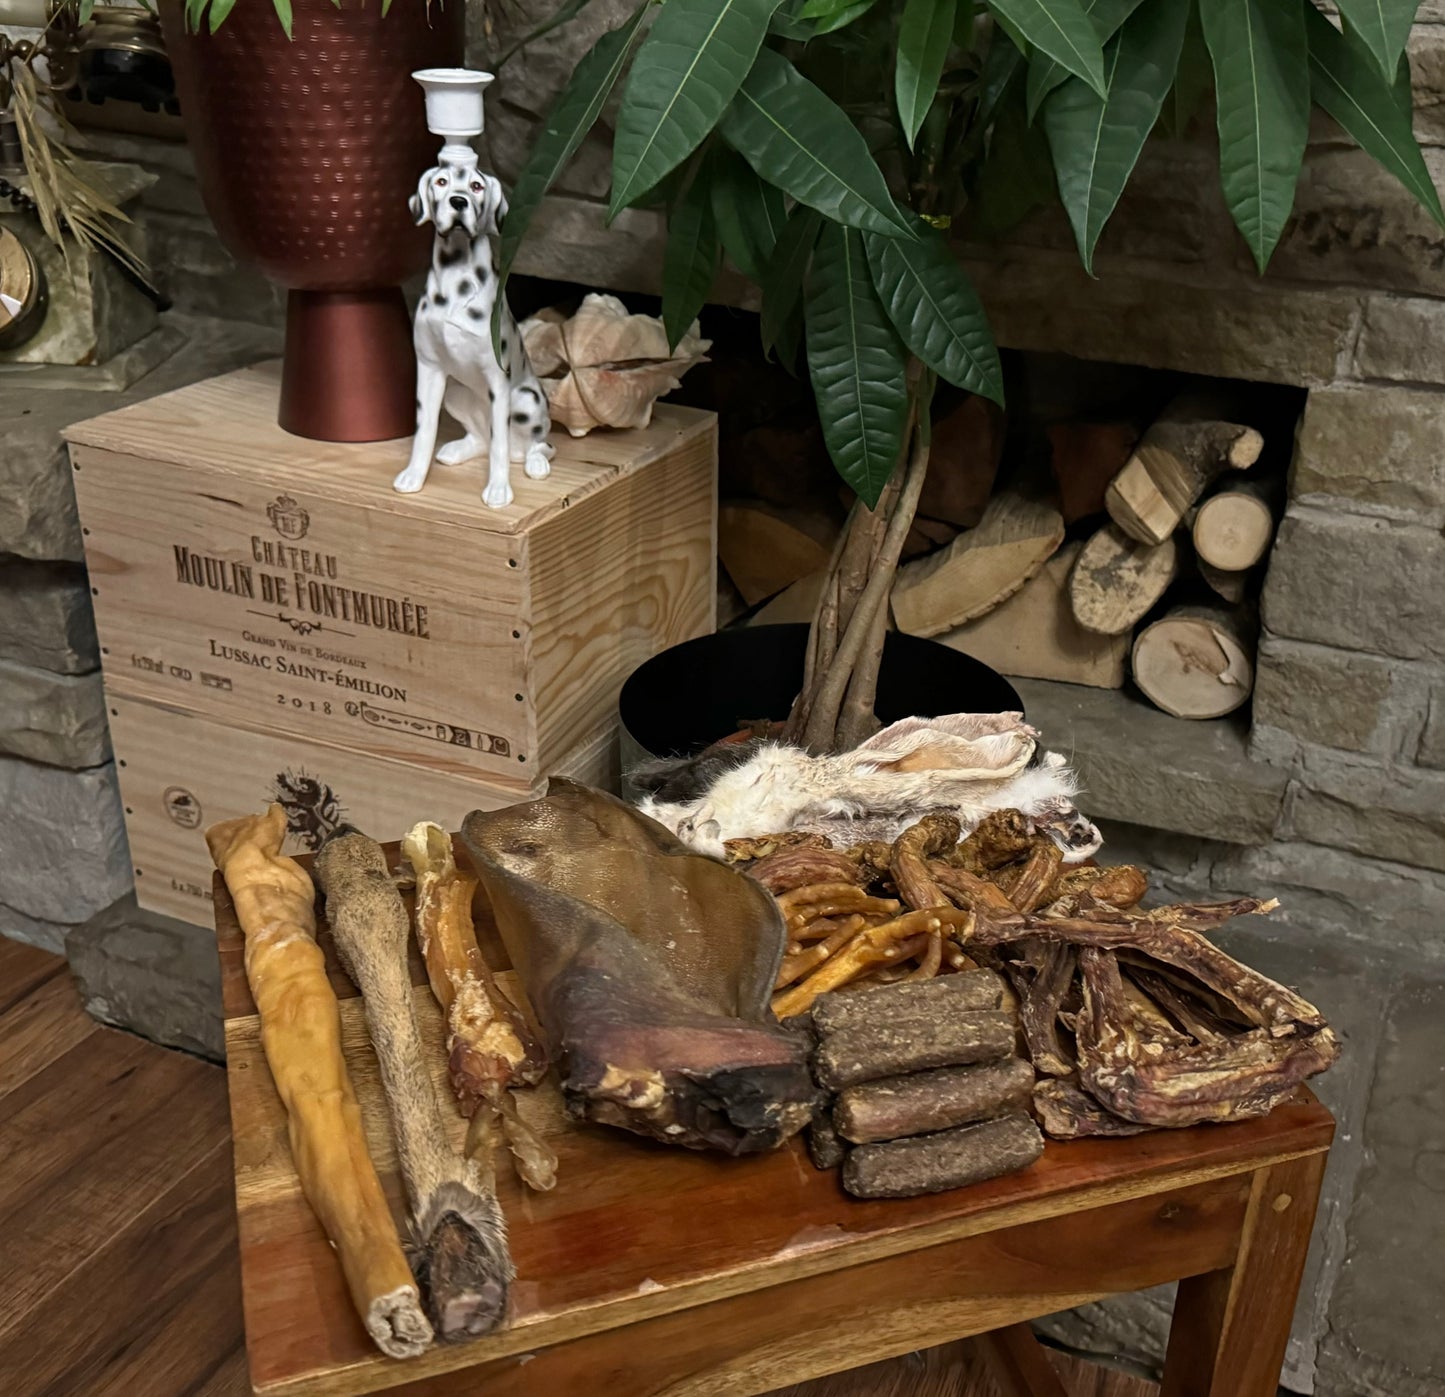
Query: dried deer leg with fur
(301, 1034)
(1042, 978)
(998, 839)
(1068, 1113)
(459, 1235)
(490, 1046)
(799, 867)
(746, 850)
(1135, 1075)
(1030, 884)
(872, 946)
(931, 836)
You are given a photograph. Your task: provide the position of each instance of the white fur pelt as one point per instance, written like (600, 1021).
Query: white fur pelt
(966, 764)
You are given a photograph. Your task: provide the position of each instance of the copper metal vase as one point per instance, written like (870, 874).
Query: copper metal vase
(306, 153)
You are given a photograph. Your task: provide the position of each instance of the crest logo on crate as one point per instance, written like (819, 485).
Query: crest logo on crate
(287, 517)
(182, 807)
(312, 808)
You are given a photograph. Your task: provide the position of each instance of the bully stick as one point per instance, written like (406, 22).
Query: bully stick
(922, 1102)
(458, 1233)
(952, 994)
(867, 1050)
(932, 836)
(301, 1033)
(949, 1159)
(490, 1046)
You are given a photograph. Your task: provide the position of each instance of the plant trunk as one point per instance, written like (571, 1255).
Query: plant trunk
(834, 710)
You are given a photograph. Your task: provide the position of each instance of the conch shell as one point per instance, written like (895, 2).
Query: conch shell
(605, 367)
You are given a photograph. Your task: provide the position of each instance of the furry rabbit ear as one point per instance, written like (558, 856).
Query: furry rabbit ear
(423, 203)
(969, 746)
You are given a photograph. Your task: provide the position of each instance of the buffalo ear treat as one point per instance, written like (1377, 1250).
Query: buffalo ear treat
(458, 1234)
(490, 1046)
(649, 967)
(950, 1159)
(923, 1102)
(301, 1034)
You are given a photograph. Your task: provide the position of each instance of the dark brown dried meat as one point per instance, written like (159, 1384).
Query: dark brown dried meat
(786, 869)
(1042, 977)
(1067, 1113)
(931, 836)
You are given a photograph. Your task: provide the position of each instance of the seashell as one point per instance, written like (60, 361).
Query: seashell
(605, 367)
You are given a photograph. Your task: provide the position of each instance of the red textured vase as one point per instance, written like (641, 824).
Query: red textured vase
(306, 151)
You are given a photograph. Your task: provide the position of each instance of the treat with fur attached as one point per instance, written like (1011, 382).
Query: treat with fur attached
(301, 1034)
(459, 1237)
(490, 1046)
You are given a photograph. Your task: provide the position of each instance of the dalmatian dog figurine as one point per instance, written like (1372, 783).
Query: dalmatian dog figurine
(501, 406)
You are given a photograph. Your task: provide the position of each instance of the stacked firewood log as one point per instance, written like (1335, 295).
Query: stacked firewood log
(1132, 1018)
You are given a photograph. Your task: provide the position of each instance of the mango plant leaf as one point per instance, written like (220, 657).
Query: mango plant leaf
(1045, 74)
(690, 262)
(857, 364)
(798, 139)
(1262, 87)
(1383, 26)
(924, 35)
(783, 278)
(283, 13)
(216, 16)
(1096, 141)
(1346, 83)
(1061, 29)
(1194, 78)
(750, 215)
(935, 310)
(686, 72)
(841, 19)
(573, 115)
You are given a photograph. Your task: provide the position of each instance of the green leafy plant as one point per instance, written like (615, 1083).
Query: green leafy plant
(831, 148)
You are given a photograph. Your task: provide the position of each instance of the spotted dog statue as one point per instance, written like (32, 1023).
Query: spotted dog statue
(501, 406)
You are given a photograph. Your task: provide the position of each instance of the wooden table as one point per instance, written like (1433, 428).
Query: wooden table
(653, 1271)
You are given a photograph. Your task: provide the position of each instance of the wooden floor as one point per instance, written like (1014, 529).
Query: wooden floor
(118, 1270)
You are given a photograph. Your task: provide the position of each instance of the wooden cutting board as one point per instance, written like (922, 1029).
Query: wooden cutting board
(649, 1270)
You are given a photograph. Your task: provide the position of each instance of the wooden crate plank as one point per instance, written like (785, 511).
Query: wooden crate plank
(150, 1310)
(614, 580)
(111, 1100)
(43, 1026)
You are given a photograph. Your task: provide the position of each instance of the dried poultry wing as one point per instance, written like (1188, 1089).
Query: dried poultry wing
(649, 967)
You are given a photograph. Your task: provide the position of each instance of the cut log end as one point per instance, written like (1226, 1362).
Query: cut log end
(1232, 530)
(1194, 663)
(1118, 579)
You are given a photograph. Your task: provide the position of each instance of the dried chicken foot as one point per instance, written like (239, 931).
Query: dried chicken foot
(933, 835)
(301, 1035)
(931, 961)
(867, 948)
(460, 1237)
(490, 1046)
(802, 961)
(810, 893)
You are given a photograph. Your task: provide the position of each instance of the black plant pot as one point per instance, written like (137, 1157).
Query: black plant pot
(692, 695)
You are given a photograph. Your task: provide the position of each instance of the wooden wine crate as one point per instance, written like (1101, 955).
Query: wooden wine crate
(180, 772)
(267, 581)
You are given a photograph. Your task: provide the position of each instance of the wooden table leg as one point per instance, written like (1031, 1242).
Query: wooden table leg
(1018, 1363)
(1231, 1326)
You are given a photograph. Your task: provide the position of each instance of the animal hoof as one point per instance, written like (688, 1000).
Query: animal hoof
(409, 481)
(497, 495)
(538, 465)
(456, 453)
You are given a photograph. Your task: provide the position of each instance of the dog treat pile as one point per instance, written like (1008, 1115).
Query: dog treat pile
(1133, 1018)
(926, 1092)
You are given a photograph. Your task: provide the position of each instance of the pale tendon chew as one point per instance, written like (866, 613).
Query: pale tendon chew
(301, 1034)
(490, 1046)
